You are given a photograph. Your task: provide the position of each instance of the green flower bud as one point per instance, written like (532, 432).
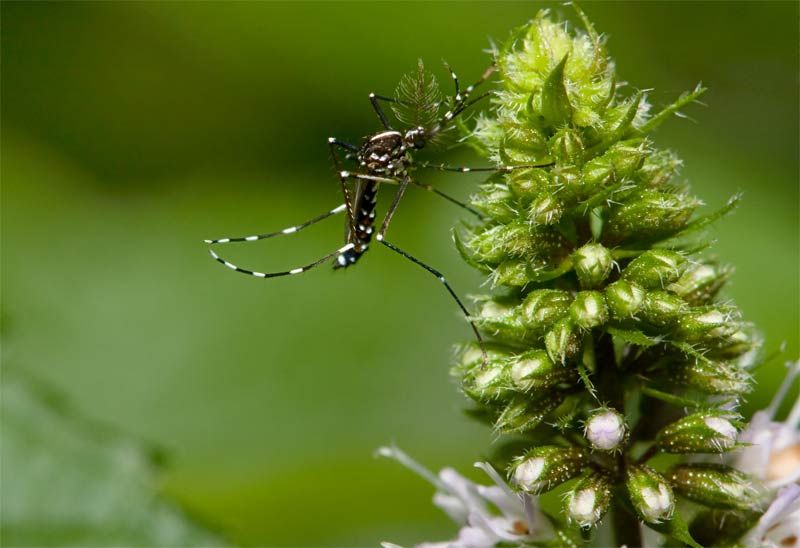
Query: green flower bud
(562, 342)
(717, 527)
(655, 269)
(545, 209)
(700, 284)
(566, 147)
(618, 163)
(662, 309)
(592, 264)
(740, 344)
(704, 432)
(698, 325)
(513, 273)
(543, 307)
(605, 429)
(589, 309)
(714, 485)
(495, 201)
(520, 143)
(659, 168)
(523, 414)
(589, 500)
(499, 317)
(529, 183)
(471, 354)
(711, 377)
(569, 182)
(500, 242)
(651, 215)
(543, 468)
(534, 370)
(624, 299)
(650, 494)
(488, 382)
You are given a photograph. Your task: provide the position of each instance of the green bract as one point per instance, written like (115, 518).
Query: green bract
(601, 300)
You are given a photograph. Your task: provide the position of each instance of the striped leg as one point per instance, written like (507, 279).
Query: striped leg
(298, 270)
(290, 230)
(439, 276)
(461, 99)
(461, 169)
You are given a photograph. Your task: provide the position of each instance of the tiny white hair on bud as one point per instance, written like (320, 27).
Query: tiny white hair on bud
(528, 472)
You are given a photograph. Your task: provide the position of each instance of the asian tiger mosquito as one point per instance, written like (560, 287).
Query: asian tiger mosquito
(384, 157)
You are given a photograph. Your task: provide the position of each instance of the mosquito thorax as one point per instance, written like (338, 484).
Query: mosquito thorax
(383, 153)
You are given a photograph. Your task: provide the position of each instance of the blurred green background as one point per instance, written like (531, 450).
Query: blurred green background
(131, 131)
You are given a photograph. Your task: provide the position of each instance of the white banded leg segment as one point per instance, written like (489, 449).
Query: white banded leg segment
(365, 177)
(291, 230)
(291, 272)
(464, 169)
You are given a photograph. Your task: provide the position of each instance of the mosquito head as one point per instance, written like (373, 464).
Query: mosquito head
(415, 138)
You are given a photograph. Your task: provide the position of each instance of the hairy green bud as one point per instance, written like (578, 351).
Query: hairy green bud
(624, 299)
(662, 309)
(701, 324)
(704, 432)
(522, 414)
(711, 377)
(650, 494)
(543, 468)
(488, 382)
(589, 309)
(592, 264)
(545, 209)
(534, 370)
(589, 500)
(495, 201)
(714, 485)
(562, 342)
(617, 164)
(651, 216)
(566, 147)
(655, 269)
(700, 284)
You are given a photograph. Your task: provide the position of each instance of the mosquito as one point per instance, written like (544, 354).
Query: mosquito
(385, 158)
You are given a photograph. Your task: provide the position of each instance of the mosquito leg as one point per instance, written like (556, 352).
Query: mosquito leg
(380, 237)
(371, 178)
(333, 142)
(290, 230)
(379, 111)
(291, 272)
(447, 197)
(457, 94)
(462, 169)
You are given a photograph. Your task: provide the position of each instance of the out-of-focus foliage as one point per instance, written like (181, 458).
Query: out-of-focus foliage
(131, 131)
(67, 482)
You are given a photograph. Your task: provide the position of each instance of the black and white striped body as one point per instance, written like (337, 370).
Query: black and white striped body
(382, 155)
